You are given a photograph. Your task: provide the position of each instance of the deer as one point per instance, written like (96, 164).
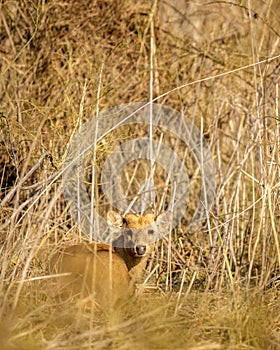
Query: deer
(102, 274)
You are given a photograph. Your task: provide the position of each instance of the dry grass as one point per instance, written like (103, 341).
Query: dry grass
(217, 320)
(60, 61)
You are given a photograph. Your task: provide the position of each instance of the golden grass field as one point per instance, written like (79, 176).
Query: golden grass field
(218, 62)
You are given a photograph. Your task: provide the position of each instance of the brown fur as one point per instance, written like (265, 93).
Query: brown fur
(104, 275)
(93, 272)
(137, 235)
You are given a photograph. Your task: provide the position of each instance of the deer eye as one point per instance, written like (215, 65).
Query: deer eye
(150, 232)
(129, 233)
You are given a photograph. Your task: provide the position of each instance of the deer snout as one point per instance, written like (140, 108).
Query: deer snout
(140, 250)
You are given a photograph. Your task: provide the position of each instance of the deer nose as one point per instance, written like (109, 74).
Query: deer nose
(140, 250)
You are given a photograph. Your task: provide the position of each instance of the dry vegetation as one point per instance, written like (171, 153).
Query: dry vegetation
(218, 62)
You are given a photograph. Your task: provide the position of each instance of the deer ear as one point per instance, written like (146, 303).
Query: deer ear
(164, 218)
(114, 219)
